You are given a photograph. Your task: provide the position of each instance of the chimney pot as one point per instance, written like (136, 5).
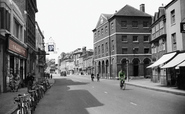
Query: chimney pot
(142, 7)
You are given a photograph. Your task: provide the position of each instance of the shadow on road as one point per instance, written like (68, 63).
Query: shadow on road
(60, 99)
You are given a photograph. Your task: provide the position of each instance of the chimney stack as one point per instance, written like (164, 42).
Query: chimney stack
(142, 7)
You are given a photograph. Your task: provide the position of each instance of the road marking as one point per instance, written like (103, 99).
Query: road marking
(133, 103)
(105, 92)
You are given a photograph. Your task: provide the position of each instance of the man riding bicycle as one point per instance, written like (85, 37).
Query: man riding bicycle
(121, 75)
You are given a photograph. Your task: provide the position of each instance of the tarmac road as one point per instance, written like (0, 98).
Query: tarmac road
(79, 95)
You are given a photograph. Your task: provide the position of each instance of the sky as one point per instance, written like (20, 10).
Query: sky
(69, 23)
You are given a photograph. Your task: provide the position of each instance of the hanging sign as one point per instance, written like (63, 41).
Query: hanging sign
(182, 25)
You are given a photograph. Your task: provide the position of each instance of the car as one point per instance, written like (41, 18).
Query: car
(63, 73)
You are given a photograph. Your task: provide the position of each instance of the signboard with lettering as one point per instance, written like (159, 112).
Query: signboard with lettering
(182, 27)
(51, 48)
(15, 47)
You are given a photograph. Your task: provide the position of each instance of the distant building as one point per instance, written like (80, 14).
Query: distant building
(76, 55)
(120, 39)
(77, 62)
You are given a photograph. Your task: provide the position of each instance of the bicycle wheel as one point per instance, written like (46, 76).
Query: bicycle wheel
(21, 111)
(124, 86)
(18, 111)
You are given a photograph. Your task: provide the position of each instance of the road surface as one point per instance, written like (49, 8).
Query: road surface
(79, 95)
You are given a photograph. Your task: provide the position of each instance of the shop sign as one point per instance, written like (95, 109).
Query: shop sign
(182, 27)
(13, 46)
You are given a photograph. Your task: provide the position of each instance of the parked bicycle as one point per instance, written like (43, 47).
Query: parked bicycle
(24, 104)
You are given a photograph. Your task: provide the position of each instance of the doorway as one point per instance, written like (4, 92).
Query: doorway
(136, 67)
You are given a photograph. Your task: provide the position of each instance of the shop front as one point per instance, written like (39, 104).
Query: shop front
(16, 60)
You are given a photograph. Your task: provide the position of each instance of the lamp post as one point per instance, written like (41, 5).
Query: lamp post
(127, 61)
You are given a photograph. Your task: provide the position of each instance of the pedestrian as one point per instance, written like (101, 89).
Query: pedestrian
(98, 77)
(11, 81)
(17, 81)
(30, 80)
(51, 76)
(92, 77)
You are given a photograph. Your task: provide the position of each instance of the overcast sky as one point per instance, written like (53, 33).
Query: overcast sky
(70, 22)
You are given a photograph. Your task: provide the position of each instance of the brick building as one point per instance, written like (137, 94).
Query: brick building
(122, 38)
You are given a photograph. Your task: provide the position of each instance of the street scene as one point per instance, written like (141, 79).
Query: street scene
(92, 57)
(77, 94)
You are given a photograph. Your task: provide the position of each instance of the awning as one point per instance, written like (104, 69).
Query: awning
(175, 61)
(162, 60)
(180, 65)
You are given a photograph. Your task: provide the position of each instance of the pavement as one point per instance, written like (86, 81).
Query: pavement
(148, 84)
(7, 105)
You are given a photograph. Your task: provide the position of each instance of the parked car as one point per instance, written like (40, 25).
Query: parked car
(63, 73)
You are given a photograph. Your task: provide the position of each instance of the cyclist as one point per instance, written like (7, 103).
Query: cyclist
(121, 75)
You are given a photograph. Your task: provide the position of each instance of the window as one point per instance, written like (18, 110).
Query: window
(174, 43)
(146, 50)
(124, 39)
(124, 50)
(112, 45)
(134, 24)
(105, 29)
(102, 48)
(145, 24)
(135, 50)
(16, 28)
(135, 38)
(163, 46)
(102, 31)
(98, 33)
(112, 26)
(106, 46)
(94, 35)
(172, 16)
(123, 23)
(146, 38)
(98, 49)
(161, 24)
(95, 51)
(4, 19)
